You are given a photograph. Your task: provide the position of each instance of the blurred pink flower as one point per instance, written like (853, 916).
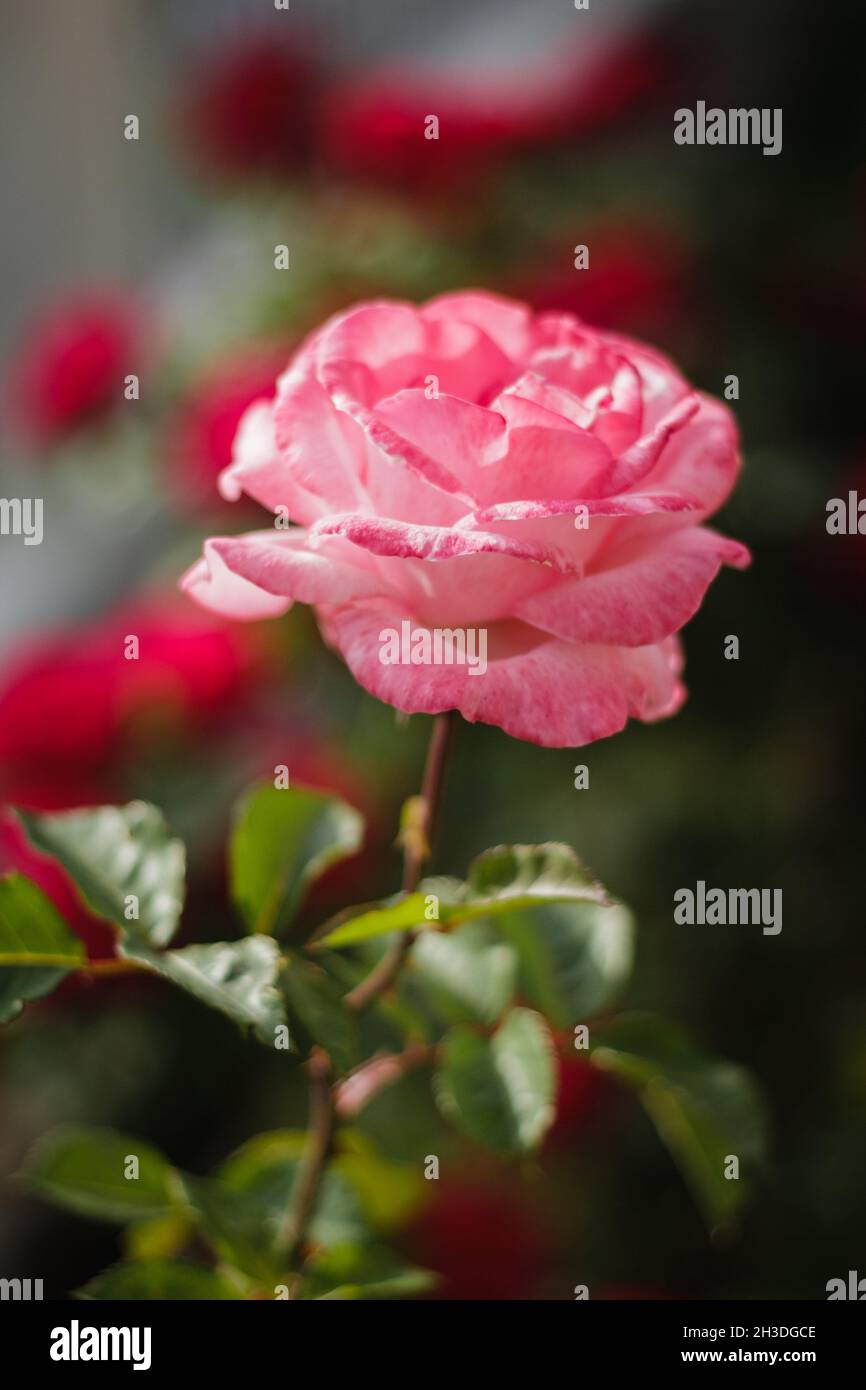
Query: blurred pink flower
(248, 106)
(469, 465)
(71, 364)
(205, 423)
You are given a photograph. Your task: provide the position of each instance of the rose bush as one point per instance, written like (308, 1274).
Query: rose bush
(470, 464)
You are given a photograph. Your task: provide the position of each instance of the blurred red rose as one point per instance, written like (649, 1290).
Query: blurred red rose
(67, 698)
(206, 420)
(585, 1099)
(248, 108)
(71, 364)
(639, 279)
(483, 1241)
(374, 126)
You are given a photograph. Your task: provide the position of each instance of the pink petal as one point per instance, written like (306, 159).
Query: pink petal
(214, 586)
(630, 504)
(536, 688)
(453, 432)
(504, 322)
(321, 450)
(385, 536)
(401, 346)
(703, 458)
(636, 599)
(281, 565)
(638, 461)
(544, 456)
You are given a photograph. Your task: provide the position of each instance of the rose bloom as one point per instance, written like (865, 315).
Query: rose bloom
(248, 107)
(373, 125)
(483, 1238)
(471, 465)
(69, 701)
(71, 364)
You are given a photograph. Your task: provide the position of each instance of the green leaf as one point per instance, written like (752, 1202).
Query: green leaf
(37, 949)
(163, 1279)
(388, 1192)
(283, 840)
(703, 1109)
(469, 974)
(114, 853)
(349, 1272)
(503, 880)
(239, 978)
(157, 1237)
(82, 1169)
(317, 1001)
(499, 1091)
(20, 985)
(246, 1210)
(352, 927)
(524, 875)
(574, 957)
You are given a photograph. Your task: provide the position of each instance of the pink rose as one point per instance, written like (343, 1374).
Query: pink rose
(468, 465)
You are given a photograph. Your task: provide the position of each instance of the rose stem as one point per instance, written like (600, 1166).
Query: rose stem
(322, 1095)
(318, 1149)
(416, 849)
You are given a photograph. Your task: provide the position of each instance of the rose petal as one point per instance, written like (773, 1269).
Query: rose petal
(637, 599)
(537, 688)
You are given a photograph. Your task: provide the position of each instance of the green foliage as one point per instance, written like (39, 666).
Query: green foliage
(159, 1279)
(502, 880)
(316, 1002)
(469, 975)
(83, 1170)
(37, 949)
(500, 1090)
(283, 840)
(574, 958)
(239, 978)
(129, 869)
(114, 853)
(704, 1110)
(347, 1272)
(528, 923)
(242, 1212)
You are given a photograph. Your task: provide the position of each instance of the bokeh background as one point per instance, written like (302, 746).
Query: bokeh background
(155, 256)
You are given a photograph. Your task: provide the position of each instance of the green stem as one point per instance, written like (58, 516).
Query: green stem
(321, 1134)
(416, 851)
